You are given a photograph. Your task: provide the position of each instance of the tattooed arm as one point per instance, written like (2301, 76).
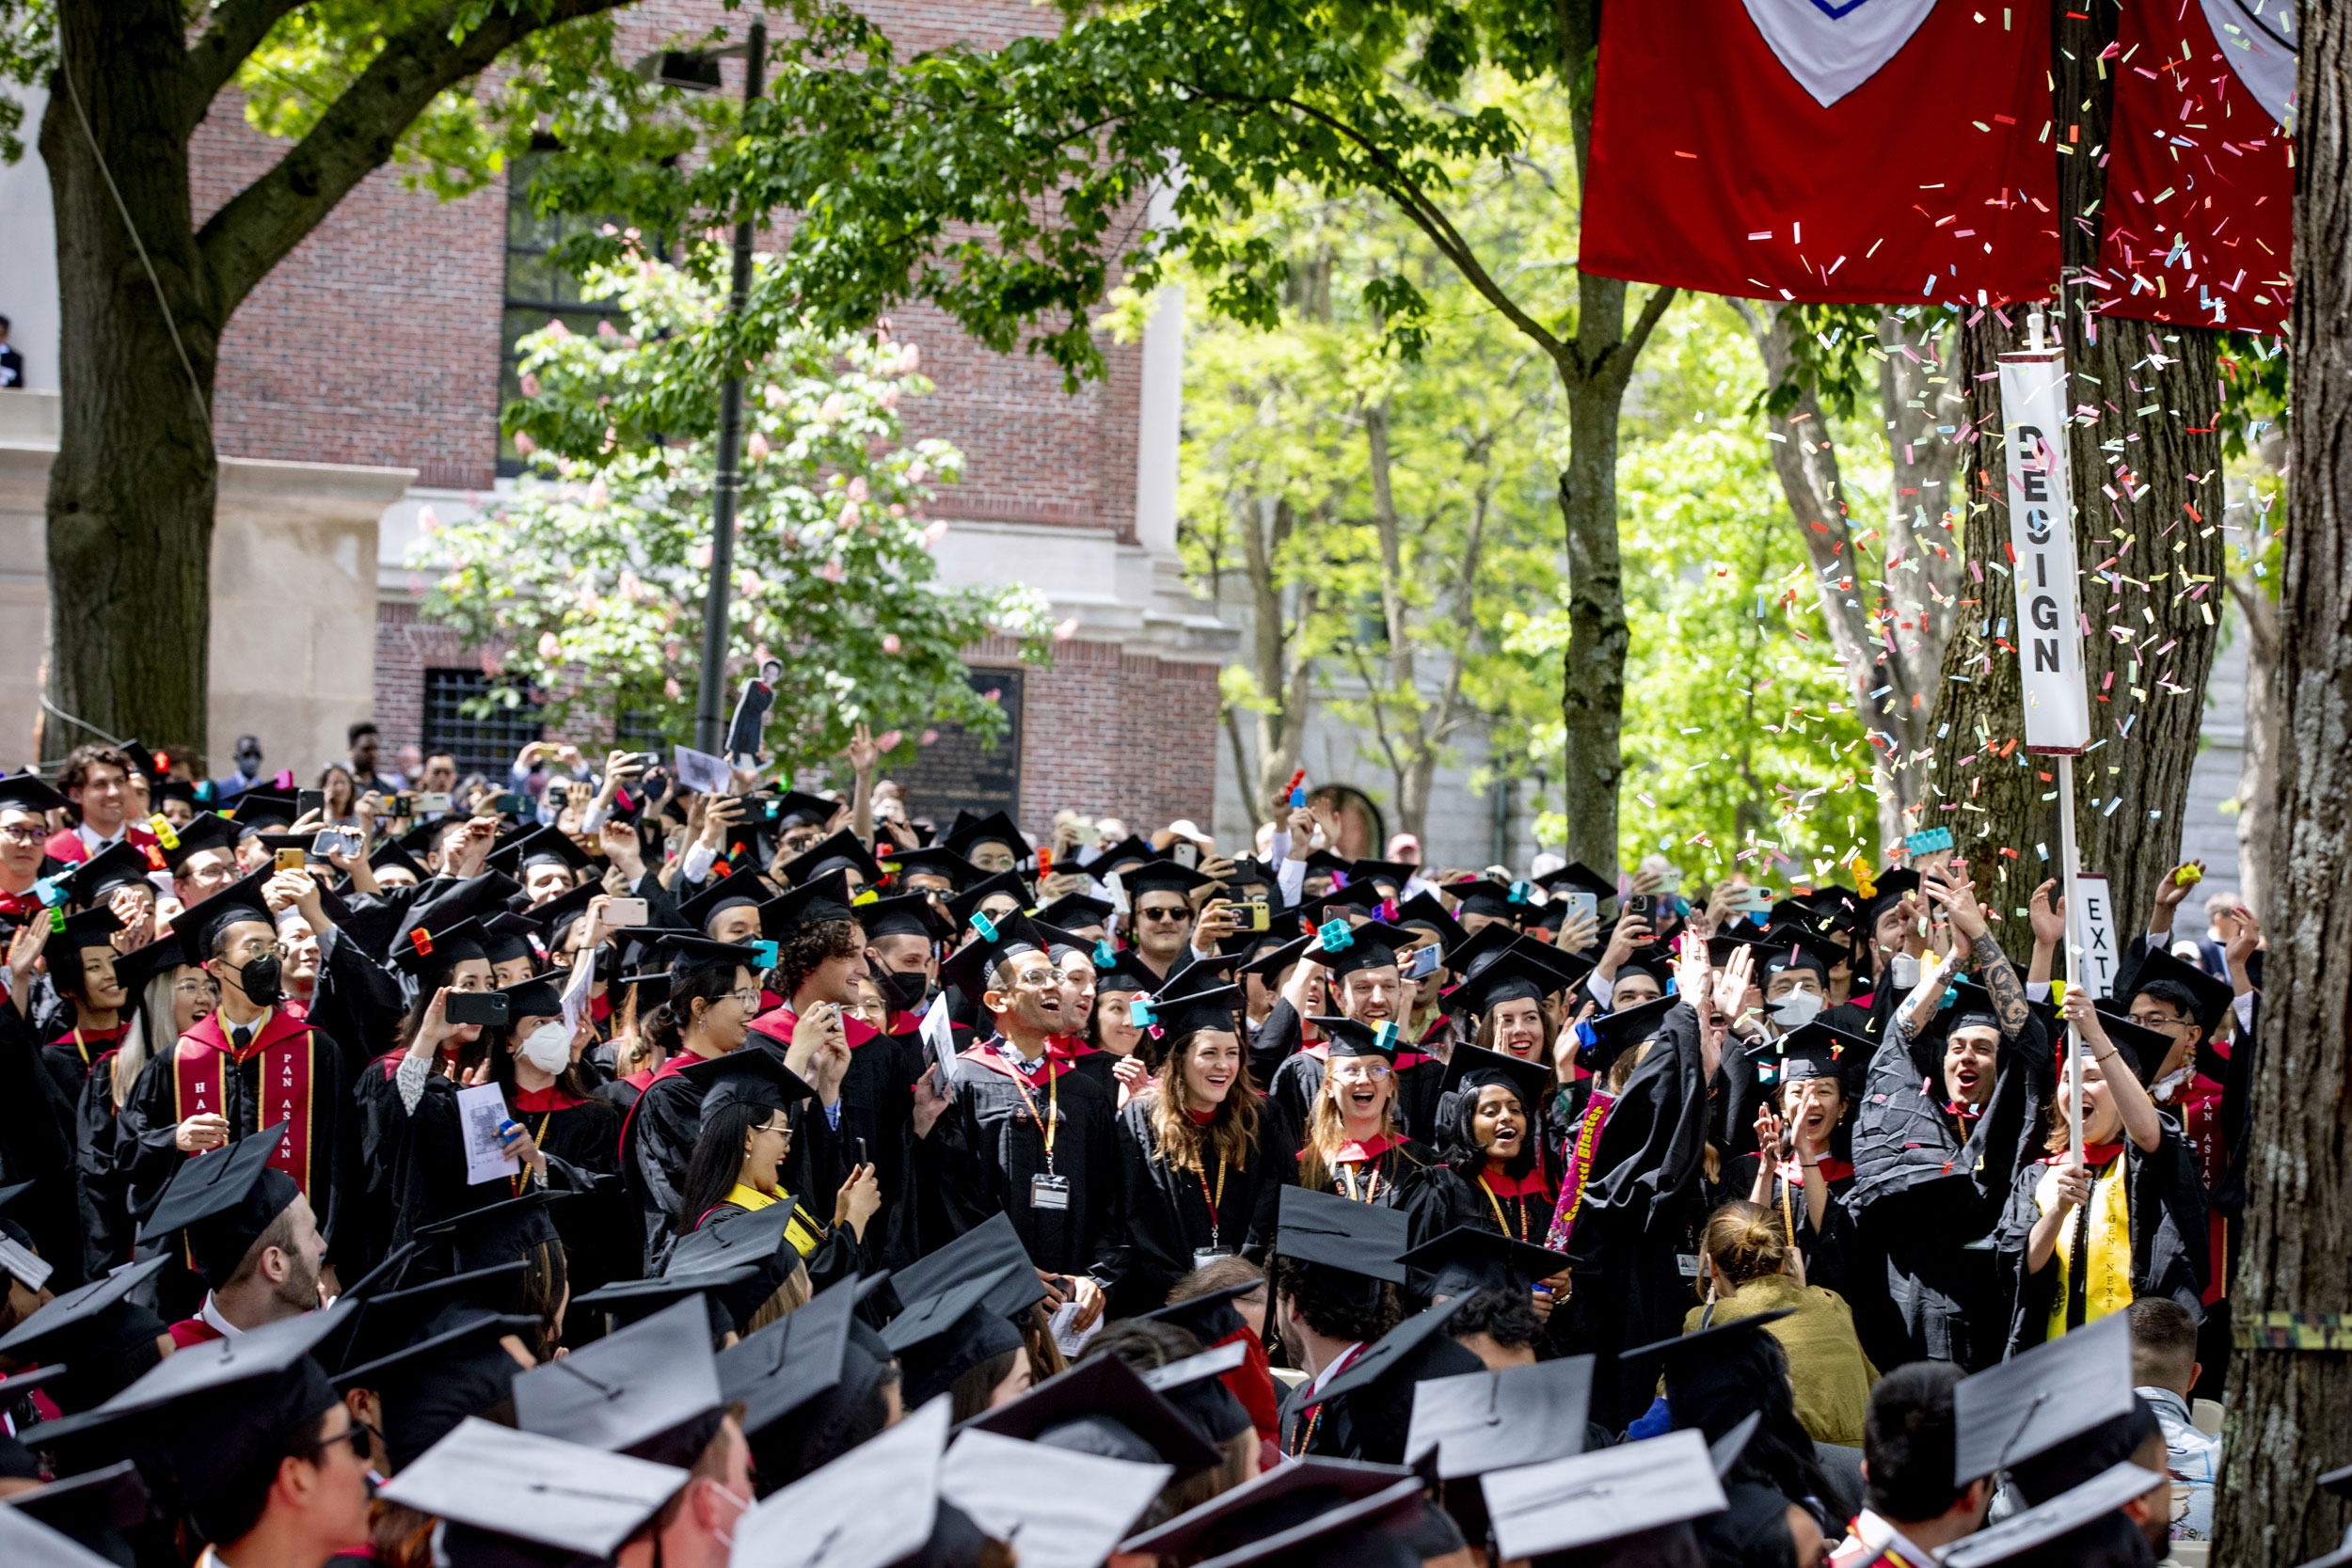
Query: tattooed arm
(1985, 956)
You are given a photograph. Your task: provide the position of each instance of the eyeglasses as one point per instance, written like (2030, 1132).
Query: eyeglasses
(357, 1435)
(2150, 1021)
(21, 834)
(748, 1000)
(195, 988)
(1163, 914)
(1367, 1074)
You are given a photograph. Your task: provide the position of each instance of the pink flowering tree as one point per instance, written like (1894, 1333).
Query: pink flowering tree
(592, 576)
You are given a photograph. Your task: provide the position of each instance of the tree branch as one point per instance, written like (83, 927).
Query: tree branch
(237, 30)
(1652, 309)
(260, 224)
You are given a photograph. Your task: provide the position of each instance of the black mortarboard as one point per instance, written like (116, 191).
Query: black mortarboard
(1472, 1067)
(965, 904)
(63, 948)
(536, 997)
(224, 1199)
(200, 928)
(542, 845)
(1128, 851)
(818, 899)
(1422, 911)
(1888, 888)
(1416, 1349)
(969, 968)
(798, 808)
(751, 1073)
(1701, 1344)
(1821, 1051)
(1196, 1385)
(2059, 1389)
(688, 950)
(393, 853)
(1496, 1420)
(650, 1390)
(391, 1320)
(1605, 1495)
(991, 1250)
(752, 1236)
(1102, 1389)
(941, 1337)
(1470, 1258)
(423, 951)
(1501, 900)
(2142, 1048)
(1161, 876)
(2213, 996)
(117, 867)
(1126, 972)
(1343, 949)
(65, 1326)
(1269, 1506)
(497, 1232)
(782, 1368)
(508, 937)
(633, 1301)
(2103, 1494)
(1394, 873)
(28, 1543)
(265, 808)
(493, 1484)
(1070, 1510)
(1576, 873)
(30, 792)
(874, 1507)
(1076, 911)
(205, 830)
(1347, 1037)
(1327, 1229)
(902, 864)
(456, 1369)
(996, 828)
(1512, 976)
(1209, 1316)
(91, 1509)
(909, 915)
(135, 969)
(1179, 1008)
(1615, 1033)
(843, 850)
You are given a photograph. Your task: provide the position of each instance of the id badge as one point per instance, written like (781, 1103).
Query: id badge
(1202, 1256)
(1049, 1192)
(1687, 1265)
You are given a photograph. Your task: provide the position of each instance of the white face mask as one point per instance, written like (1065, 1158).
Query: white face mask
(1797, 1009)
(549, 1047)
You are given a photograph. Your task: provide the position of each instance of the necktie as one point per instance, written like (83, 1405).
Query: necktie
(240, 1035)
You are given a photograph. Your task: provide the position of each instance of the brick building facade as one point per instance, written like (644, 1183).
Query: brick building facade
(378, 345)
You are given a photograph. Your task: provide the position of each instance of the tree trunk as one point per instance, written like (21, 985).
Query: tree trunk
(1592, 688)
(2258, 762)
(2291, 1409)
(130, 493)
(1284, 680)
(2152, 631)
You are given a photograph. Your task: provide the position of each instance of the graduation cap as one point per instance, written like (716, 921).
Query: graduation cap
(1395, 874)
(497, 1232)
(265, 808)
(1102, 1405)
(205, 830)
(751, 1073)
(929, 862)
(2041, 1398)
(687, 952)
(1576, 873)
(906, 914)
(86, 1318)
(2142, 1048)
(941, 1337)
(1472, 1067)
(798, 808)
(1196, 1385)
(199, 929)
(423, 951)
(1070, 1510)
(1416, 1349)
(1785, 947)
(493, 1484)
(508, 937)
(996, 828)
(453, 1370)
(542, 845)
(1267, 1509)
(819, 898)
(964, 904)
(1607, 1495)
(969, 967)
(2212, 997)
(2101, 1495)
(25, 1542)
(632, 1301)
(1496, 1420)
(1889, 888)
(1061, 945)
(1818, 1050)
(843, 850)
(393, 855)
(874, 1507)
(92, 1510)
(1076, 911)
(119, 866)
(1356, 1238)
(224, 1200)
(1615, 1033)
(1512, 976)
(791, 1362)
(63, 949)
(1347, 1036)
(1470, 1258)
(1714, 1341)
(650, 1389)
(1126, 972)
(1181, 1008)
(1507, 901)
(991, 1250)
(1424, 911)
(28, 791)
(394, 1319)
(1209, 1316)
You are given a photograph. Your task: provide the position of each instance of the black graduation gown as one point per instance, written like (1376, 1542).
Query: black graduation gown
(355, 998)
(986, 1150)
(580, 1141)
(380, 1120)
(1173, 1214)
(1632, 1241)
(1420, 1082)
(35, 1146)
(149, 1124)
(1445, 1199)
(68, 1061)
(877, 1104)
(1390, 1179)
(2165, 1198)
(657, 1138)
(1921, 1197)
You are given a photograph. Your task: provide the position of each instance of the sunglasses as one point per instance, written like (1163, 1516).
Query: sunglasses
(1163, 914)
(359, 1435)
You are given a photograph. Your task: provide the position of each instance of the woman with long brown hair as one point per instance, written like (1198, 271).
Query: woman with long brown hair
(1352, 1144)
(1203, 1155)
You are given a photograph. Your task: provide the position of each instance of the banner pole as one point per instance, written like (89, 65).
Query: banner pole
(2073, 1037)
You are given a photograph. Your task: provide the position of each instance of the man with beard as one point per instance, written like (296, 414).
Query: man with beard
(1160, 892)
(249, 1232)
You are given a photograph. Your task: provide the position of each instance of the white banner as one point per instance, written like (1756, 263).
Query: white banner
(2042, 545)
(2097, 956)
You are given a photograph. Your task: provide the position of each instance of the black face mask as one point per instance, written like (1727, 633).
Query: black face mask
(903, 989)
(262, 980)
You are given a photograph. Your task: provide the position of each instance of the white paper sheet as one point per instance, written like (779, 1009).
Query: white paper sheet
(480, 1110)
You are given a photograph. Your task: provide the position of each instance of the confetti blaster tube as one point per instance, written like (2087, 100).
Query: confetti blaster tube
(2043, 569)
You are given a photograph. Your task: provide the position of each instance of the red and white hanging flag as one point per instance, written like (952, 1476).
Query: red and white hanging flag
(1865, 151)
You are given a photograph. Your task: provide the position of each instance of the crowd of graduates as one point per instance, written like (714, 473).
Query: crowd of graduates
(626, 1174)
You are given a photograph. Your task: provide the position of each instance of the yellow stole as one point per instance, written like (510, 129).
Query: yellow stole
(2107, 1260)
(802, 1237)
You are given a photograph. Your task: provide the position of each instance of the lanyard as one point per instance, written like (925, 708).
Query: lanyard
(1212, 1202)
(522, 1177)
(83, 1049)
(1052, 1105)
(1517, 1207)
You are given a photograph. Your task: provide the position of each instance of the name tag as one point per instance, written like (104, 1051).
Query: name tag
(1049, 1192)
(1203, 1256)
(1687, 1264)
